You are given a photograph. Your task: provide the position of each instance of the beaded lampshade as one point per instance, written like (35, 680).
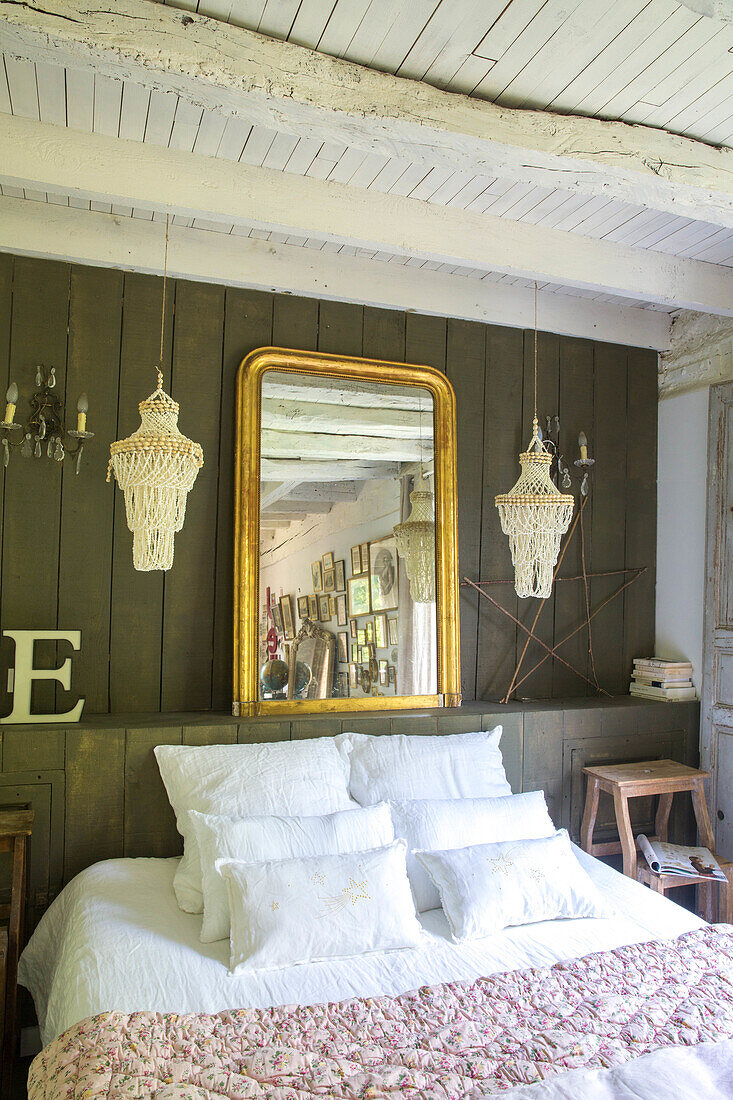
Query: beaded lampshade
(155, 467)
(416, 545)
(533, 513)
(535, 516)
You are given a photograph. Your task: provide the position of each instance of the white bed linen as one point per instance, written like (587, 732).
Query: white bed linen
(116, 939)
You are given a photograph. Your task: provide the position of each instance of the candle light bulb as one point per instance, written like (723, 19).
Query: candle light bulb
(583, 444)
(82, 408)
(11, 400)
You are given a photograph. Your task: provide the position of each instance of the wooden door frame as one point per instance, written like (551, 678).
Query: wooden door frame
(714, 716)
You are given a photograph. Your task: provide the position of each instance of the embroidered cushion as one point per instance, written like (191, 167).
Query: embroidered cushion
(303, 910)
(487, 887)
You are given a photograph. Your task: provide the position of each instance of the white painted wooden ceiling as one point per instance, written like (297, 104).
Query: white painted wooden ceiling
(654, 62)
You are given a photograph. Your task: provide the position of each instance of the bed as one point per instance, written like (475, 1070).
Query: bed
(131, 1003)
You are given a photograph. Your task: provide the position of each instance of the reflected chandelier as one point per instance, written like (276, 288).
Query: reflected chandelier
(155, 467)
(533, 513)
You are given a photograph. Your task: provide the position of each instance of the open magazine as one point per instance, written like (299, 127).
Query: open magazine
(676, 859)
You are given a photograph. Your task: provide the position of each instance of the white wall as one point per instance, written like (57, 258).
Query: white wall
(681, 500)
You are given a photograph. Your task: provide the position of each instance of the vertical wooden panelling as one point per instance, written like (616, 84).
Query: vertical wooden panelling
(466, 368)
(503, 438)
(148, 833)
(539, 684)
(576, 415)
(188, 603)
(6, 308)
(641, 504)
(87, 501)
(425, 340)
(137, 598)
(33, 486)
(295, 322)
(608, 528)
(384, 335)
(95, 765)
(247, 325)
(340, 328)
(150, 641)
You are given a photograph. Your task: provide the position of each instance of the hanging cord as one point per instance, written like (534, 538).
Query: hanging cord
(535, 349)
(536, 443)
(419, 423)
(162, 318)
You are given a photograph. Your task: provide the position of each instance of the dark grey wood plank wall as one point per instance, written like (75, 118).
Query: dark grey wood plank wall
(153, 642)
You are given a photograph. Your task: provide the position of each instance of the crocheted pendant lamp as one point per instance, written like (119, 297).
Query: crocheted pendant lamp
(155, 467)
(533, 513)
(416, 544)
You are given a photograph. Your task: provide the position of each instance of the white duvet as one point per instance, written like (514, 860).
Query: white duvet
(116, 939)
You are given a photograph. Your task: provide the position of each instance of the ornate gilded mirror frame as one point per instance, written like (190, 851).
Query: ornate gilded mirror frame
(246, 701)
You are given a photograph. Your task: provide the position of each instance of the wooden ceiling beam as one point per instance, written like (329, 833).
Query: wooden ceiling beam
(341, 418)
(328, 447)
(105, 169)
(64, 233)
(286, 87)
(277, 469)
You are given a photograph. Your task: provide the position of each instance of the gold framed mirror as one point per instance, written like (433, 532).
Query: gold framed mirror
(345, 523)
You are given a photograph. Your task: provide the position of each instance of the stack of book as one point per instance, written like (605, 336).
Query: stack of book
(655, 678)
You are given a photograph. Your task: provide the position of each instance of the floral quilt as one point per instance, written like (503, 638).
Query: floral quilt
(456, 1041)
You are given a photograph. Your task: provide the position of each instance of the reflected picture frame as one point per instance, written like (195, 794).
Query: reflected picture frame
(247, 477)
(383, 574)
(286, 613)
(358, 595)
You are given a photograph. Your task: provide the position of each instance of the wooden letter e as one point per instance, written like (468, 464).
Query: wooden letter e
(25, 674)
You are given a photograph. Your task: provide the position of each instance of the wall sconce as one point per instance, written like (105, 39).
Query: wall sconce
(44, 429)
(584, 463)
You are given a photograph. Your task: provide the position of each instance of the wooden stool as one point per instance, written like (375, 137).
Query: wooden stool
(652, 777)
(15, 828)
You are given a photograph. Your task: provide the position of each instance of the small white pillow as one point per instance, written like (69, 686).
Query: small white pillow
(251, 839)
(487, 887)
(441, 824)
(293, 911)
(398, 766)
(284, 777)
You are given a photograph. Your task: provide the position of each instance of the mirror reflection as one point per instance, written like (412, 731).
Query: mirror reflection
(347, 539)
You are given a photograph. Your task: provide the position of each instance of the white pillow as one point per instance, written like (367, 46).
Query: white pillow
(284, 777)
(455, 765)
(487, 887)
(292, 911)
(250, 839)
(440, 824)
